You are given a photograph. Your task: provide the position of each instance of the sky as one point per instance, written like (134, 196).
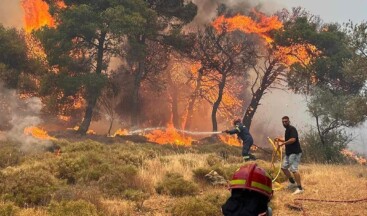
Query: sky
(284, 103)
(330, 10)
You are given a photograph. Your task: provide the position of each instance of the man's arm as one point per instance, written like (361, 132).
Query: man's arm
(233, 131)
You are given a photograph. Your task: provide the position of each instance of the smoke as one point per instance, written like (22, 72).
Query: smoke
(11, 13)
(208, 9)
(18, 114)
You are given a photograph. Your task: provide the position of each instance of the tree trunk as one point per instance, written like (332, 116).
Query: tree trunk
(190, 108)
(251, 109)
(135, 120)
(109, 129)
(217, 102)
(175, 115)
(93, 94)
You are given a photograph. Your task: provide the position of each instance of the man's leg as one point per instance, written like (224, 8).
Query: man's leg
(286, 164)
(297, 177)
(294, 169)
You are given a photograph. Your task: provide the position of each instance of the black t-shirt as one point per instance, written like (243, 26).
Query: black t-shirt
(294, 148)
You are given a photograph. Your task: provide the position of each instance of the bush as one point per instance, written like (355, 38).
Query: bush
(8, 209)
(216, 199)
(73, 193)
(72, 208)
(10, 155)
(85, 168)
(174, 184)
(29, 187)
(118, 180)
(213, 160)
(330, 152)
(194, 207)
(199, 174)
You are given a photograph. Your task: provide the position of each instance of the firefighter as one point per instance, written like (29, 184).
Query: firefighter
(247, 140)
(251, 191)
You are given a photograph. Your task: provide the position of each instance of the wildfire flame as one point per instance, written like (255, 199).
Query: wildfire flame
(38, 133)
(169, 136)
(230, 140)
(353, 156)
(36, 14)
(301, 53)
(121, 132)
(248, 25)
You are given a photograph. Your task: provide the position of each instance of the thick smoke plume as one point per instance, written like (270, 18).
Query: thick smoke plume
(18, 114)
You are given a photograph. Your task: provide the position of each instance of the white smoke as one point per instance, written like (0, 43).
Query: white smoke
(18, 114)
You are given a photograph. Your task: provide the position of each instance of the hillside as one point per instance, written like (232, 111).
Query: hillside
(127, 178)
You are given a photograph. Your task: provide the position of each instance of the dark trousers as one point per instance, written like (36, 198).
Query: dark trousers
(246, 148)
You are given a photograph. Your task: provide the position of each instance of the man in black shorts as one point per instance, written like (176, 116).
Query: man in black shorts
(293, 153)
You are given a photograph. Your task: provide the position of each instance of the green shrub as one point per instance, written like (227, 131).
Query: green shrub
(85, 146)
(174, 184)
(90, 194)
(72, 208)
(329, 152)
(84, 168)
(137, 196)
(131, 159)
(29, 187)
(8, 209)
(213, 160)
(10, 155)
(217, 199)
(118, 180)
(194, 207)
(199, 174)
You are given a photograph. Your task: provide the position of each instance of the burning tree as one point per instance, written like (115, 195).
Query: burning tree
(273, 59)
(142, 55)
(79, 48)
(223, 55)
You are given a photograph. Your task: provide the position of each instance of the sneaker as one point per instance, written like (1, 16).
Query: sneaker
(298, 191)
(291, 186)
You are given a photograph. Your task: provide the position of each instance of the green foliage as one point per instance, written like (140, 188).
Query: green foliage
(191, 206)
(10, 155)
(216, 199)
(330, 152)
(213, 160)
(72, 208)
(13, 57)
(8, 209)
(29, 187)
(116, 181)
(175, 185)
(199, 174)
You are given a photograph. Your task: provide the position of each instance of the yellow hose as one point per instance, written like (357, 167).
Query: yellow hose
(277, 150)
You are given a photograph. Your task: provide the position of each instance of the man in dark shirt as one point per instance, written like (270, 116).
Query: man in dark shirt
(293, 153)
(243, 134)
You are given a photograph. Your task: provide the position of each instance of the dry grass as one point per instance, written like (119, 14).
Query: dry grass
(327, 182)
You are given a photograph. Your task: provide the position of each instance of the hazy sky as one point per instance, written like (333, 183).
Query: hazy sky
(331, 10)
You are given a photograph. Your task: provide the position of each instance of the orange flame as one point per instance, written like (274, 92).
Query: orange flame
(361, 160)
(169, 136)
(38, 133)
(121, 132)
(230, 140)
(36, 14)
(301, 53)
(248, 25)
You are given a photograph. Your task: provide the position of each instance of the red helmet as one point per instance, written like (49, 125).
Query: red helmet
(236, 121)
(253, 178)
